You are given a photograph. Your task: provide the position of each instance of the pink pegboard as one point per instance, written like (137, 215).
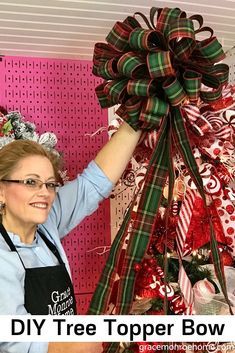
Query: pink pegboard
(59, 96)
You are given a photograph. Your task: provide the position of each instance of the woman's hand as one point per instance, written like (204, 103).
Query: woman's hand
(116, 153)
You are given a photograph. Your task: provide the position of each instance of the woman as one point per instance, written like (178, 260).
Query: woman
(35, 214)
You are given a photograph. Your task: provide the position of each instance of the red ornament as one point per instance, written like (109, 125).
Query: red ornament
(199, 229)
(149, 269)
(159, 241)
(152, 262)
(145, 264)
(177, 305)
(227, 258)
(137, 267)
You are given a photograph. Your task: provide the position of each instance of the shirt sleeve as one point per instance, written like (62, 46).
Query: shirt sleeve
(12, 282)
(78, 199)
(23, 347)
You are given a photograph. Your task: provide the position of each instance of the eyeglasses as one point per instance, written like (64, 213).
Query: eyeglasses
(36, 184)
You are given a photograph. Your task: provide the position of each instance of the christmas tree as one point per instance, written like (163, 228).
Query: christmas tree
(174, 250)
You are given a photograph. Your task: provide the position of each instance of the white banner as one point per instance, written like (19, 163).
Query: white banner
(113, 328)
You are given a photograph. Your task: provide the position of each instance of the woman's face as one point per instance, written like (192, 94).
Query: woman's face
(25, 206)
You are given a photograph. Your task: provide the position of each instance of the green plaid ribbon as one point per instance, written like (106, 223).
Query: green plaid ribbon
(142, 87)
(174, 91)
(151, 73)
(192, 84)
(181, 28)
(159, 64)
(142, 39)
(130, 64)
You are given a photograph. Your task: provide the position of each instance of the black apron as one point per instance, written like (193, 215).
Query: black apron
(48, 290)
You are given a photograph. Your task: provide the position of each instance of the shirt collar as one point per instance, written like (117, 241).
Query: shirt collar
(15, 238)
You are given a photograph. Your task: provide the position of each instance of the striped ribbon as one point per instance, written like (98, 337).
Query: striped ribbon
(185, 215)
(199, 123)
(152, 73)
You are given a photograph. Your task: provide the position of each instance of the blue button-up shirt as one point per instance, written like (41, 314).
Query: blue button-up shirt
(74, 201)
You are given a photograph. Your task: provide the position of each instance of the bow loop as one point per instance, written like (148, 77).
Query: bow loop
(153, 111)
(181, 38)
(166, 16)
(192, 85)
(141, 87)
(205, 29)
(132, 22)
(209, 51)
(132, 65)
(197, 18)
(159, 64)
(118, 37)
(105, 100)
(221, 72)
(174, 91)
(102, 53)
(142, 39)
(130, 111)
(108, 70)
(146, 113)
(215, 88)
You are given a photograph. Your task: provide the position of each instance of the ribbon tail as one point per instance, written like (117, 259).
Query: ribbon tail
(170, 166)
(146, 212)
(141, 233)
(100, 299)
(170, 199)
(183, 146)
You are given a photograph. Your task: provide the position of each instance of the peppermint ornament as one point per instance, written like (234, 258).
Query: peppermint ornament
(213, 186)
(175, 208)
(159, 272)
(166, 290)
(204, 291)
(177, 305)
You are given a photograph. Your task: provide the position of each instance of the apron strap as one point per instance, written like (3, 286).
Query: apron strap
(9, 242)
(7, 238)
(51, 246)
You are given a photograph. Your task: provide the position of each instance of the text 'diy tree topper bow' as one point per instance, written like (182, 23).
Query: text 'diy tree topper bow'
(154, 74)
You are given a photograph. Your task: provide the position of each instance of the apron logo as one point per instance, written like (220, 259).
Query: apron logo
(61, 303)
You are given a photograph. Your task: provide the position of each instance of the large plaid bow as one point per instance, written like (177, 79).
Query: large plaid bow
(152, 73)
